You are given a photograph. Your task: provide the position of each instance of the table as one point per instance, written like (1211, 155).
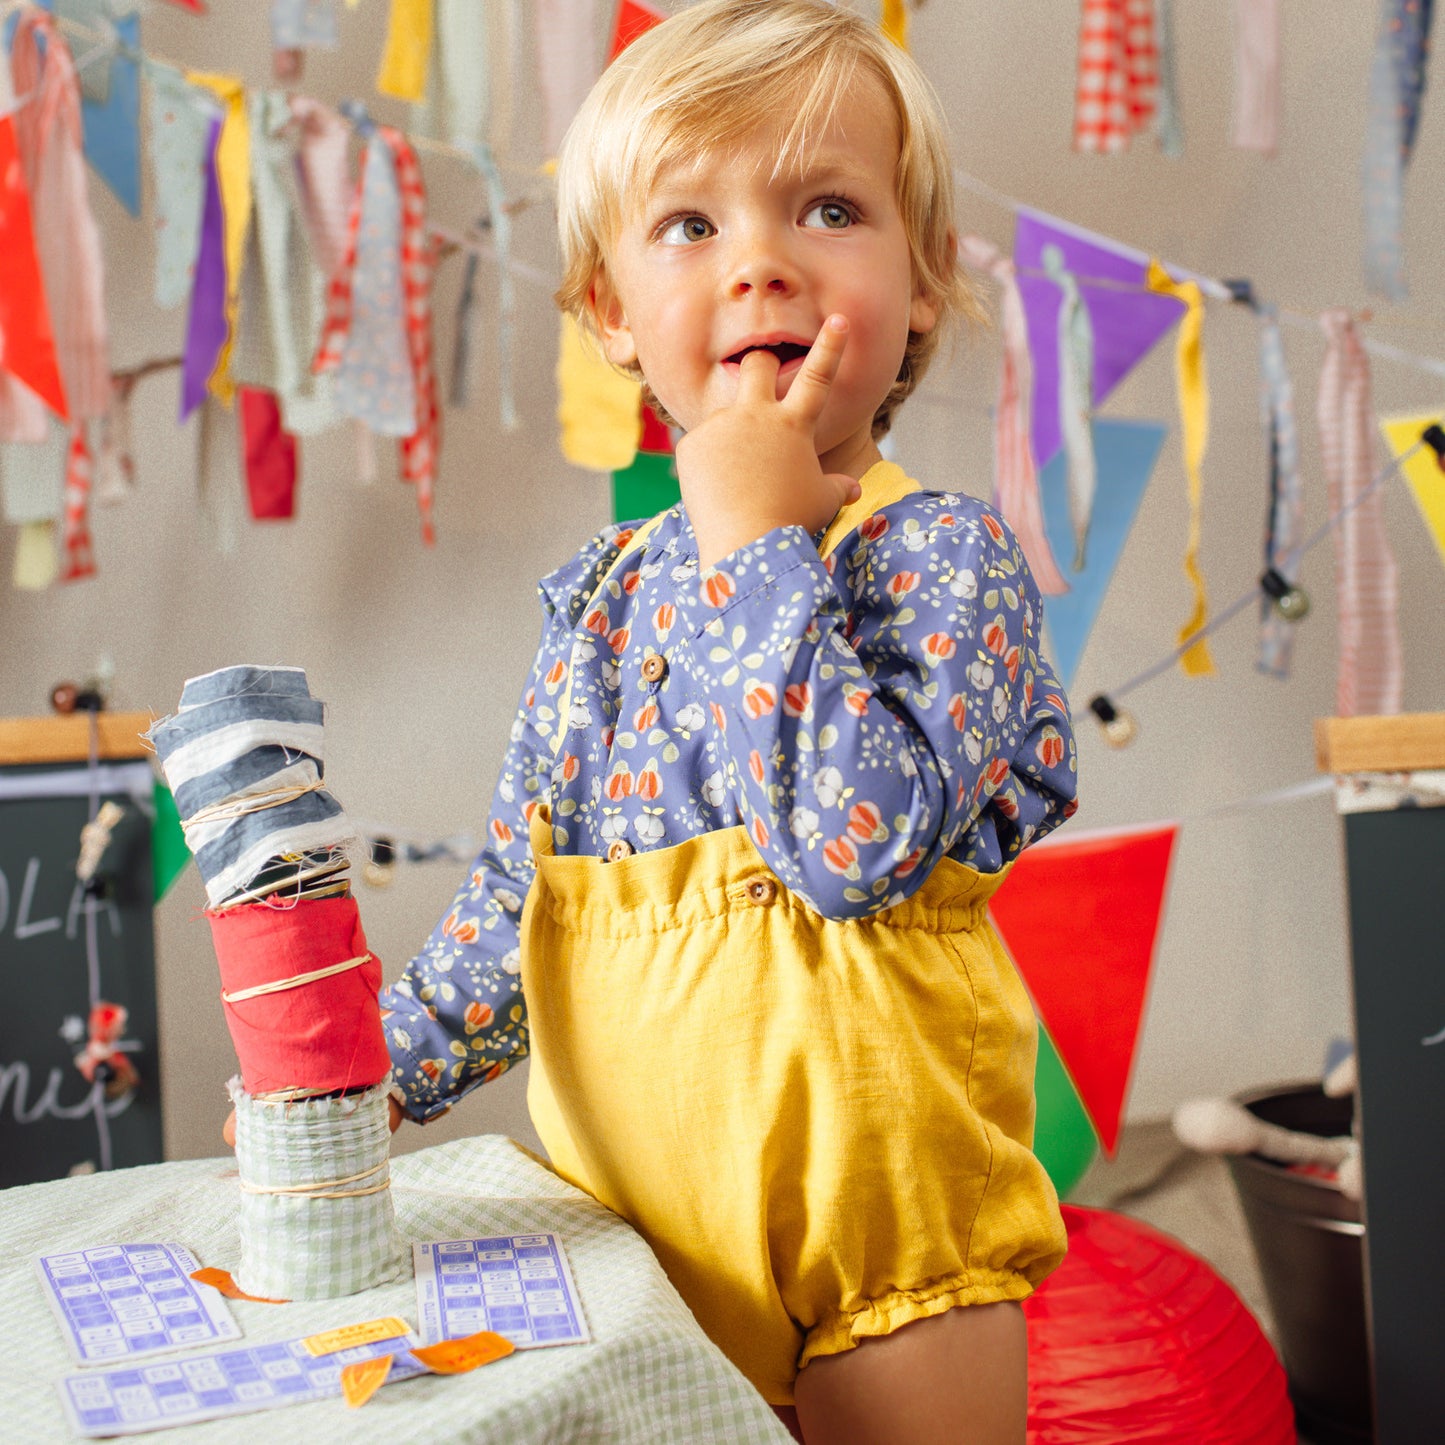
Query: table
(649, 1375)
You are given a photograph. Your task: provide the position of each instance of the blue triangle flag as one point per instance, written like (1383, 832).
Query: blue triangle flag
(1126, 452)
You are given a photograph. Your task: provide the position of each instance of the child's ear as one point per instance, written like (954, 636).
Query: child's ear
(922, 314)
(611, 322)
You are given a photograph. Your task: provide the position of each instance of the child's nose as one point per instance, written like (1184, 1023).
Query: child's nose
(761, 265)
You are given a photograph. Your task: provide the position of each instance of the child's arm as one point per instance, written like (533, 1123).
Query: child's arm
(884, 707)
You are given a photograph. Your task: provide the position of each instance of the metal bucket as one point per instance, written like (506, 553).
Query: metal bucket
(1309, 1241)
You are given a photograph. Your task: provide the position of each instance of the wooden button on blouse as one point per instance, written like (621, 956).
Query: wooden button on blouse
(762, 890)
(654, 667)
(620, 849)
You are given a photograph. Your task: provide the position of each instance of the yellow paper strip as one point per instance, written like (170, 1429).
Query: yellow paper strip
(348, 1336)
(1194, 423)
(599, 409)
(233, 173)
(359, 1382)
(1423, 470)
(408, 50)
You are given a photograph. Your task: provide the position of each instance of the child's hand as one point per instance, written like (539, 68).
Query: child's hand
(753, 466)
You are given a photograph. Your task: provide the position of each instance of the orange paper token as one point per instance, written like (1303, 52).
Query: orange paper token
(456, 1357)
(221, 1279)
(359, 1382)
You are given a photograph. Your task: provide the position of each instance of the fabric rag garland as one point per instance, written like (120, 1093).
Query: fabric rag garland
(1118, 78)
(377, 337)
(1015, 477)
(75, 531)
(1370, 677)
(1397, 83)
(181, 144)
(243, 758)
(1256, 75)
(564, 36)
(1076, 398)
(1194, 423)
(1286, 498)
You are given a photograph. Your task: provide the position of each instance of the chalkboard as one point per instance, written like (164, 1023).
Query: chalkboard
(61, 950)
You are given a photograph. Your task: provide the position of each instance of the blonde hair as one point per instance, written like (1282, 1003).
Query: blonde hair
(723, 68)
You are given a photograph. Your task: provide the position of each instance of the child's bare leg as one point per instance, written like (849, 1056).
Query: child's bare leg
(959, 1378)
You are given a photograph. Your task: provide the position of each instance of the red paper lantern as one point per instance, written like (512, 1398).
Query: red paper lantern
(1133, 1340)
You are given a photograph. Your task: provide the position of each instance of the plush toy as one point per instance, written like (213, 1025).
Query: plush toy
(1223, 1126)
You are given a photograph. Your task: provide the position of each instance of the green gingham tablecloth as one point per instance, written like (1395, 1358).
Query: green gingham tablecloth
(649, 1374)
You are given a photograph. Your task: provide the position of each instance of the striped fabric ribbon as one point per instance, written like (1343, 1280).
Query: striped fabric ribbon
(1118, 74)
(48, 138)
(1015, 477)
(1370, 677)
(1286, 500)
(1256, 75)
(377, 335)
(75, 522)
(1397, 82)
(243, 756)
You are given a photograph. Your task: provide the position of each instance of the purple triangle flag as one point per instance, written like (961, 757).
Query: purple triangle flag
(1126, 322)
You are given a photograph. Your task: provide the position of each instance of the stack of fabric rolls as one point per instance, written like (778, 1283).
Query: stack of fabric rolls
(243, 756)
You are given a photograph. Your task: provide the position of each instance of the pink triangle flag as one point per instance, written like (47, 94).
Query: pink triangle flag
(1081, 919)
(1127, 319)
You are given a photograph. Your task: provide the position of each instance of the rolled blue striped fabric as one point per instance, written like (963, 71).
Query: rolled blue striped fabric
(243, 755)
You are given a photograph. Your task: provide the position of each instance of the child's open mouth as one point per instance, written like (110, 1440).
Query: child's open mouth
(790, 355)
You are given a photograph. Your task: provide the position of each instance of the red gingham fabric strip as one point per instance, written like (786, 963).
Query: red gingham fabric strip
(1118, 73)
(75, 525)
(1370, 678)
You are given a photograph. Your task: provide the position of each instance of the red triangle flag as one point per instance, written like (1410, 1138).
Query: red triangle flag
(196, 7)
(634, 18)
(1081, 919)
(27, 345)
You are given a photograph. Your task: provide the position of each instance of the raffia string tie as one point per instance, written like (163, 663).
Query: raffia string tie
(295, 981)
(231, 808)
(324, 1188)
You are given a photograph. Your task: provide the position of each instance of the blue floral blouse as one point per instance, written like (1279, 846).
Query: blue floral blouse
(863, 716)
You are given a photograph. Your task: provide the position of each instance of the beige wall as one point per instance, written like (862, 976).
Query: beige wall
(419, 654)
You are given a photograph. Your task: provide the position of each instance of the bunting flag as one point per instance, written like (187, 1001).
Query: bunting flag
(1194, 424)
(1118, 77)
(182, 156)
(1256, 75)
(634, 18)
(206, 326)
(1370, 678)
(1424, 471)
(405, 59)
(893, 21)
(1064, 1139)
(232, 169)
(47, 149)
(27, 347)
(1284, 531)
(196, 7)
(568, 60)
(1126, 453)
(1081, 918)
(1015, 481)
(1127, 320)
(599, 409)
(268, 455)
(75, 525)
(646, 487)
(1076, 387)
(1397, 83)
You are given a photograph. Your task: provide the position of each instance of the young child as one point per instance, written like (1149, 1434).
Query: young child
(778, 748)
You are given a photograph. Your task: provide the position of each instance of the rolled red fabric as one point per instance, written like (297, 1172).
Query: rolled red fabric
(325, 1034)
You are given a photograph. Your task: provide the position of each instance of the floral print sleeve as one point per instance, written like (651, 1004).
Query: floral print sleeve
(887, 707)
(457, 1016)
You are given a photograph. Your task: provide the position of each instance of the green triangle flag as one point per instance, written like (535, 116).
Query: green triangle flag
(169, 854)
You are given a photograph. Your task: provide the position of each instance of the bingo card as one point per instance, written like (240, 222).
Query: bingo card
(120, 1301)
(222, 1382)
(517, 1285)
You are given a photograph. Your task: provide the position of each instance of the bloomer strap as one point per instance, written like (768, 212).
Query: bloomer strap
(295, 981)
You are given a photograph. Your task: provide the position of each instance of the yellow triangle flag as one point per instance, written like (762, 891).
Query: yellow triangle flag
(600, 409)
(1425, 472)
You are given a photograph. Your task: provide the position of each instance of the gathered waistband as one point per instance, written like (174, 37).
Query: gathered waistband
(716, 873)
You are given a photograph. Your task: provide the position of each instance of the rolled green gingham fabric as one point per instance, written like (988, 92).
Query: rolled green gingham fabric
(316, 1218)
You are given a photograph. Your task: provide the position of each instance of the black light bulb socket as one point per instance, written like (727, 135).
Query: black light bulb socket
(1434, 437)
(1273, 581)
(1103, 709)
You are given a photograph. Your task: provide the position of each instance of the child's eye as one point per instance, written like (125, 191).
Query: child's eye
(685, 230)
(831, 216)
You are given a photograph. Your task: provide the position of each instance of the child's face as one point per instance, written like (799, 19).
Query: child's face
(723, 256)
